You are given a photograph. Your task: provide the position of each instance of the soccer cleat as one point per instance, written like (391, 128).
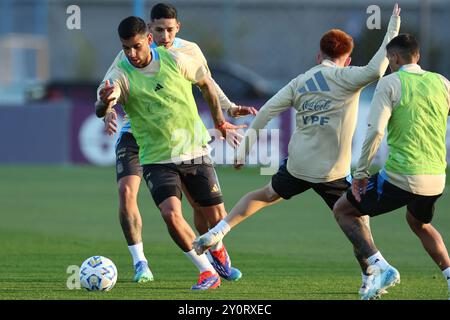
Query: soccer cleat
(204, 242)
(381, 281)
(235, 275)
(366, 282)
(142, 272)
(221, 262)
(207, 280)
(365, 285)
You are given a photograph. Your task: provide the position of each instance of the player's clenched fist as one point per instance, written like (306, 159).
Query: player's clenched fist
(106, 93)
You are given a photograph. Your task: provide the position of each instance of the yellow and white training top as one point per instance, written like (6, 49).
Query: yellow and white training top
(326, 102)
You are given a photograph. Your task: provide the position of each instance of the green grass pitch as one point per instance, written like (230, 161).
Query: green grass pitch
(54, 217)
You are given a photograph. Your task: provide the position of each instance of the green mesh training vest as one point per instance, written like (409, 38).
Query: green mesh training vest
(162, 112)
(418, 125)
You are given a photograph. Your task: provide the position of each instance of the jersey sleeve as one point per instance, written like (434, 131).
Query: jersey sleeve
(117, 78)
(357, 77)
(198, 54)
(191, 69)
(280, 102)
(379, 114)
(225, 103)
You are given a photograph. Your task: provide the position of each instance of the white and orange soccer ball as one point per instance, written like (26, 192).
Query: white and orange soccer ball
(98, 273)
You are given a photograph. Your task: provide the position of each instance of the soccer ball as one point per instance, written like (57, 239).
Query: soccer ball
(98, 273)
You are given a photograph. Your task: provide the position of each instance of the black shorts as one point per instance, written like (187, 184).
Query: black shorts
(199, 178)
(287, 186)
(382, 196)
(127, 157)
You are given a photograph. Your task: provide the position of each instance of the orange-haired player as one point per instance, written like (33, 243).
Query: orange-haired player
(325, 99)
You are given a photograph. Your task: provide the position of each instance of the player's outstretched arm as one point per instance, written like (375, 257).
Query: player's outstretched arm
(358, 77)
(227, 130)
(240, 111)
(197, 72)
(280, 102)
(379, 115)
(232, 109)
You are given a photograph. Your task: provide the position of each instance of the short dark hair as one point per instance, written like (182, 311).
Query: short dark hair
(131, 26)
(335, 43)
(163, 11)
(405, 45)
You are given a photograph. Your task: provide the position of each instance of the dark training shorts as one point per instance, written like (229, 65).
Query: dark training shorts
(198, 176)
(127, 157)
(382, 196)
(287, 186)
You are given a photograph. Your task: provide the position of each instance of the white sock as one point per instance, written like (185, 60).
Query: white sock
(200, 261)
(446, 274)
(221, 228)
(137, 252)
(378, 259)
(217, 246)
(364, 277)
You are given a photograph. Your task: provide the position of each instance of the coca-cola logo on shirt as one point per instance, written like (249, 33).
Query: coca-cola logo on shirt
(316, 105)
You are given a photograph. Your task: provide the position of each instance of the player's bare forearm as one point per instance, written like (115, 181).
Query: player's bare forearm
(210, 95)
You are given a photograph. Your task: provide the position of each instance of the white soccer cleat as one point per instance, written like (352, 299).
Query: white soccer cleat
(381, 281)
(142, 272)
(204, 242)
(365, 286)
(366, 280)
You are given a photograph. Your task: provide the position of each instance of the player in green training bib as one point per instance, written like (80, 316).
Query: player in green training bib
(154, 86)
(164, 26)
(414, 105)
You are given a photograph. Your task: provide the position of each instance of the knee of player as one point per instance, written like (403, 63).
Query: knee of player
(127, 194)
(415, 224)
(171, 216)
(270, 194)
(201, 225)
(339, 208)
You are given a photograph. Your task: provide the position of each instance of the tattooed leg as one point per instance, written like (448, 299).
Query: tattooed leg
(355, 227)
